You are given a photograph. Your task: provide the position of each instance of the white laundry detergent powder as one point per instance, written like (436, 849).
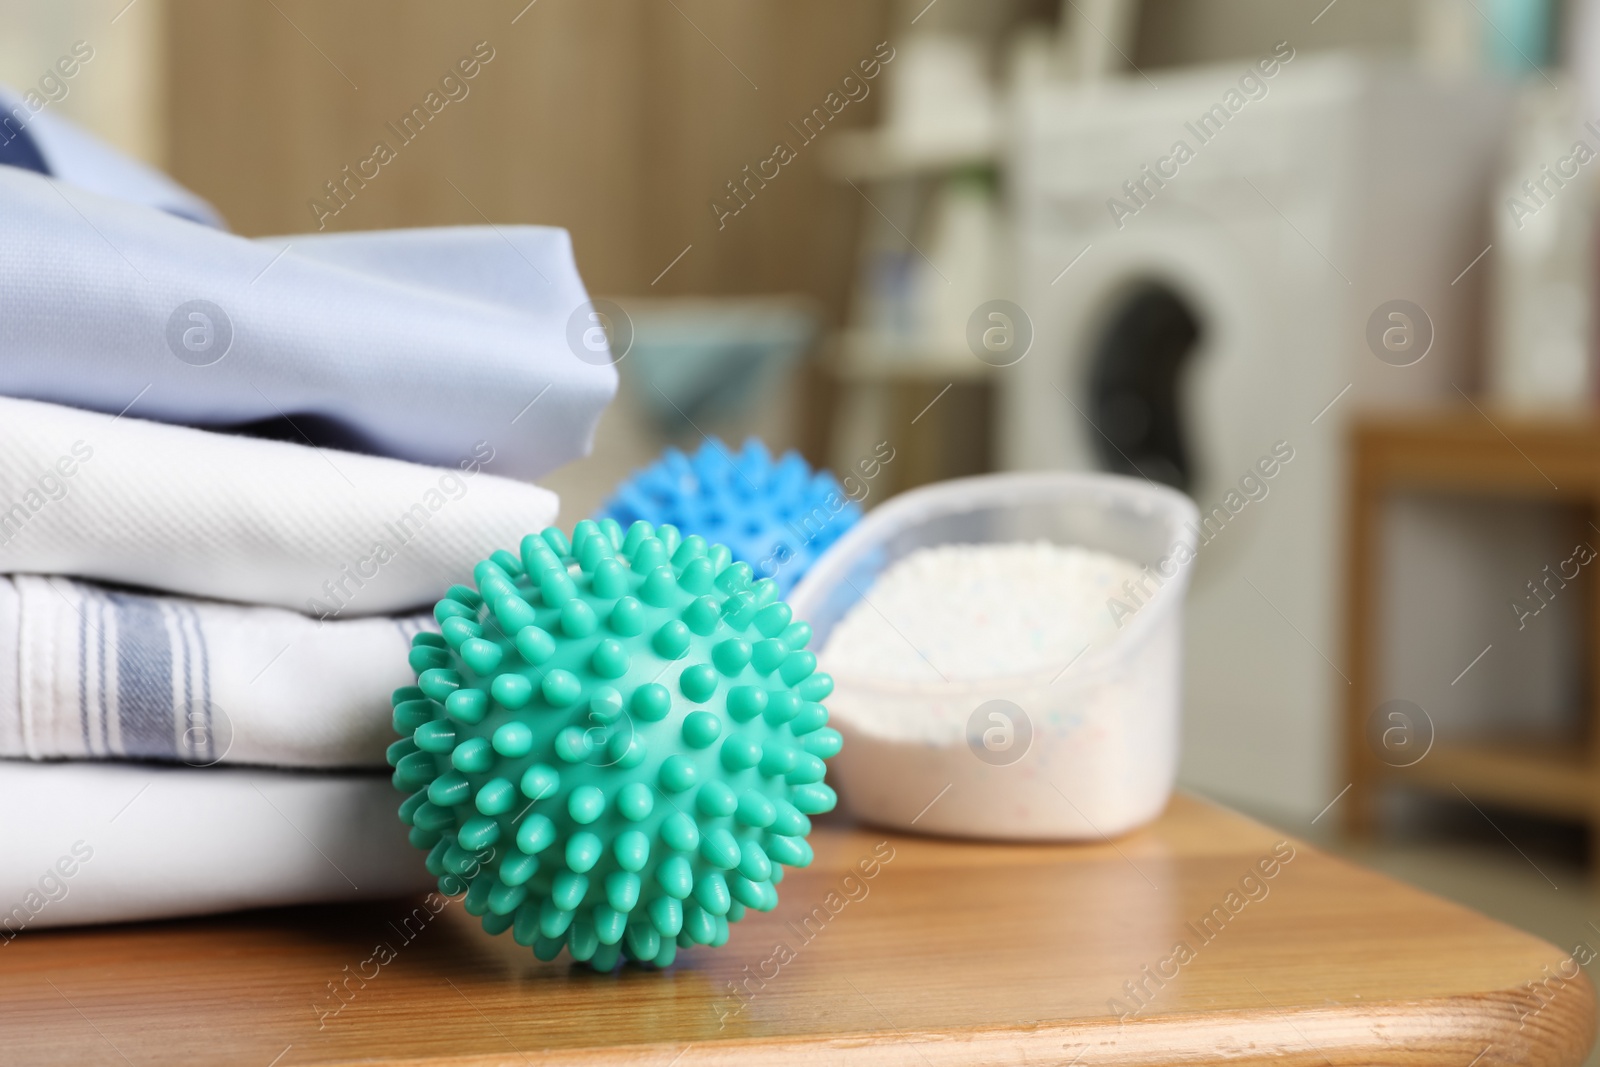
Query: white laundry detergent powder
(990, 690)
(958, 613)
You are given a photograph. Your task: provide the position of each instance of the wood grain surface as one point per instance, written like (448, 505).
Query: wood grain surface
(621, 120)
(950, 953)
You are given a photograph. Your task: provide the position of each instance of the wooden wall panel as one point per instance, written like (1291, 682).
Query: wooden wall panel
(618, 119)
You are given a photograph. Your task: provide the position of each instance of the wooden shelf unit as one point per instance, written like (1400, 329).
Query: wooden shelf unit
(1478, 453)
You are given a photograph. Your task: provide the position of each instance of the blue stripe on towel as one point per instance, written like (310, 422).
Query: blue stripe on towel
(144, 677)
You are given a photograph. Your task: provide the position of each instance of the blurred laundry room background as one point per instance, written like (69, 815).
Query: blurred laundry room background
(1370, 269)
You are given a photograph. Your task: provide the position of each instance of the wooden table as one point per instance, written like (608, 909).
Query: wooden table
(1490, 455)
(954, 953)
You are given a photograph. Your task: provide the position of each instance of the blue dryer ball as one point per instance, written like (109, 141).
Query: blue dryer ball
(777, 516)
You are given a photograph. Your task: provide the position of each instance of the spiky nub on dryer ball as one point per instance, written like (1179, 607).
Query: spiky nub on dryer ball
(614, 744)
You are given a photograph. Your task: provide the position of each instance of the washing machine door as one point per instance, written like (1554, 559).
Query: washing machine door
(1154, 356)
(1134, 371)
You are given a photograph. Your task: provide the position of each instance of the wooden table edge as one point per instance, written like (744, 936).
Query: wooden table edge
(1472, 1027)
(1481, 1029)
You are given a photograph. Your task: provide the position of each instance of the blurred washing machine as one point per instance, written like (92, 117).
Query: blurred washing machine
(1194, 316)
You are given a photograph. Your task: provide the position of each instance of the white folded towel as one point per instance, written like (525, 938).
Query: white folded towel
(239, 518)
(412, 343)
(90, 672)
(108, 842)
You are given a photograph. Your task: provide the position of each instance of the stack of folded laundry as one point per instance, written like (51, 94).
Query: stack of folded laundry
(234, 476)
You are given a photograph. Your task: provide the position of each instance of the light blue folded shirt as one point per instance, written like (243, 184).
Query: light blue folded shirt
(418, 344)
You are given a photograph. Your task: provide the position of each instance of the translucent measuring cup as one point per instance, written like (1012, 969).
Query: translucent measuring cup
(1080, 749)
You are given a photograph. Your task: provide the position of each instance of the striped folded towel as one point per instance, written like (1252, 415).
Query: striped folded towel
(94, 672)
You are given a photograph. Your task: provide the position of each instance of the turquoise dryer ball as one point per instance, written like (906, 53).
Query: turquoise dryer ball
(614, 743)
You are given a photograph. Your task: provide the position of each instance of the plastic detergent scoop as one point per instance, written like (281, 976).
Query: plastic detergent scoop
(1026, 684)
(776, 515)
(614, 744)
